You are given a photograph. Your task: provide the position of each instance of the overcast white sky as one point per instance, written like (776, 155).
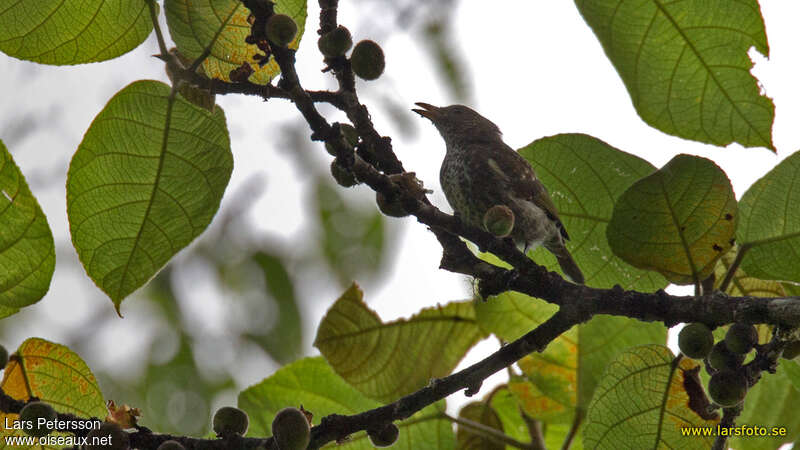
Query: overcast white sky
(536, 70)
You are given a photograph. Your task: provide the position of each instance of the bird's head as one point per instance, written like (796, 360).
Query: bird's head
(458, 122)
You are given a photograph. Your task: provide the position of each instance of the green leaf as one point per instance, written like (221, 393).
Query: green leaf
(483, 414)
(742, 284)
(772, 402)
(352, 239)
(27, 252)
(146, 180)
(641, 402)
(311, 382)
(222, 24)
(792, 370)
(65, 32)
(686, 67)
(585, 177)
(770, 223)
(565, 375)
(374, 356)
(677, 221)
(508, 411)
(54, 374)
(284, 341)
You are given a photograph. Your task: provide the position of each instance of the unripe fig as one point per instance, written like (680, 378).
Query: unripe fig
(695, 340)
(171, 445)
(290, 429)
(721, 358)
(350, 134)
(367, 60)
(384, 436)
(335, 43)
(792, 350)
(30, 415)
(343, 176)
(229, 420)
(3, 357)
(499, 220)
(741, 338)
(390, 208)
(281, 29)
(350, 137)
(727, 388)
(99, 439)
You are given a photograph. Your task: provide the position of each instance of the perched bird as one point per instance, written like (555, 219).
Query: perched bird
(480, 171)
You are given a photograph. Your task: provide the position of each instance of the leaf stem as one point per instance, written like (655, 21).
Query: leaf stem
(734, 267)
(573, 430)
(162, 46)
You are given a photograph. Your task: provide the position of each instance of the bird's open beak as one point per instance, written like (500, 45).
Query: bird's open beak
(429, 111)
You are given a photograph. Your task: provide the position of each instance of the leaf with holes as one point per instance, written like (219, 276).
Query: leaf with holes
(686, 67)
(585, 177)
(374, 356)
(678, 221)
(769, 229)
(223, 25)
(642, 401)
(146, 180)
(65, 32)
(27, 252)
(54, 374)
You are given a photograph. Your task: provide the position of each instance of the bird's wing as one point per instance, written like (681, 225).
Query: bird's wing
(520, 179)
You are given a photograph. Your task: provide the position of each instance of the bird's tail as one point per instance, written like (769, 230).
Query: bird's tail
(568, 265)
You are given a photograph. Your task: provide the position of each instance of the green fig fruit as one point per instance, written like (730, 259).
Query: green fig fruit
(290, 429)
(336, 42)
(367, 60)
(229, 420)
(741, 337)
(343, 176)
(499, 220)
(384, 436)
(37, 418)
(281, 29)
(171, 445)
(727, 388)
(695, 340)
(721, 358)
(390, 208)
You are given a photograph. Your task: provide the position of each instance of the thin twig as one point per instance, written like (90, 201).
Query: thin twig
(734, 267)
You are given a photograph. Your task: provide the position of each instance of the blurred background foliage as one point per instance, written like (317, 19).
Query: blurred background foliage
(193, 365)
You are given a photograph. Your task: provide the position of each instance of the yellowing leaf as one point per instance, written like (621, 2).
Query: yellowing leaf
(560, 382)
(677, 221)
(194, 25)
(54, 374)
(375, 357)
